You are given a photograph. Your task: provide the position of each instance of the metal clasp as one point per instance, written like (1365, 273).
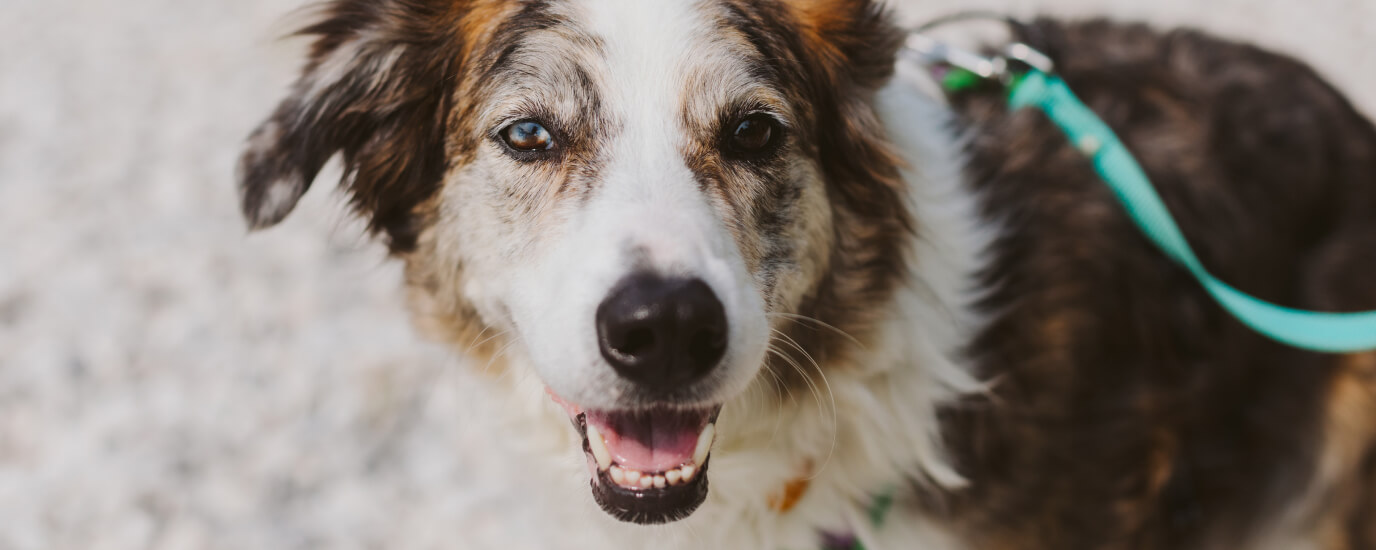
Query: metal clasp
(1000, 66)
(932, 52)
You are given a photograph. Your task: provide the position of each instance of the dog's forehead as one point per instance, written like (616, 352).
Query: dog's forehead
(656, 38)
(632, 60)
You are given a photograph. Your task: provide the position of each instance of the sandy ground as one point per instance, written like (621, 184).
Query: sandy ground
(168, 381)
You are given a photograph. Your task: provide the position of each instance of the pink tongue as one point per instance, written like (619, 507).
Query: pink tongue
(650, 441)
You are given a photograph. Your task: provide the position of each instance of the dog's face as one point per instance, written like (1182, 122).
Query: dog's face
(634, 198)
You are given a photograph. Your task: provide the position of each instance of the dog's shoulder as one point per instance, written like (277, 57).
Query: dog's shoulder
(1127, 402)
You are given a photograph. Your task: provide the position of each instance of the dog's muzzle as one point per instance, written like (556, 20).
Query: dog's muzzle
(664, 336)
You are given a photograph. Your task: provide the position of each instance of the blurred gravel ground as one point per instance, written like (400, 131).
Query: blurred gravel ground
(169, 382)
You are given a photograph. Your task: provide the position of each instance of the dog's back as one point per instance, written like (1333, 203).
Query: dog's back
(1131, 411)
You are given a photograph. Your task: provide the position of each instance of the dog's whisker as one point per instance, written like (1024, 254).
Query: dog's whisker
(813, 388)
(817, 397)
(499, 334)
(486, 327)
(818, 322)
(781, 392)
(830, 394)
(757, 394)
(807, 378)
(794, 344)
(492, 360)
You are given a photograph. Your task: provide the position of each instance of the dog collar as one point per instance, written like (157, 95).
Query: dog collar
(1030, 81)
(878, 510)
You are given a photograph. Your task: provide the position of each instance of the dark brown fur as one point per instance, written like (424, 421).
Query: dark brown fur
(1130, 411)
(389, 125)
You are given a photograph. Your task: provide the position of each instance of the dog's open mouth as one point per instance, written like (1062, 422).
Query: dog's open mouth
(649, 465)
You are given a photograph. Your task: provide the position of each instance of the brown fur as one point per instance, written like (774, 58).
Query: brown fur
(1346, 479)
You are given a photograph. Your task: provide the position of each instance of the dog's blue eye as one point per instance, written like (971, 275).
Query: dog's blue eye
(527, 136)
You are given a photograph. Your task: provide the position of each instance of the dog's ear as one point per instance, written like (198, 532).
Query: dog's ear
(853, 46)
(855, 41)
(376, 90)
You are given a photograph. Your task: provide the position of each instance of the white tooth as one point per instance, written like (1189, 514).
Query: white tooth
(618, 475)
(646, 482)
(599, 447)
(688, 471)
(659, 482)
(673, 476)
(704, 444)
(632, 477)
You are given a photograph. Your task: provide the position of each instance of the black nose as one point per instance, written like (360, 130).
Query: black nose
(662, 333)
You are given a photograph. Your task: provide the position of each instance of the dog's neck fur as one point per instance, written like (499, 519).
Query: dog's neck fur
(788, 467)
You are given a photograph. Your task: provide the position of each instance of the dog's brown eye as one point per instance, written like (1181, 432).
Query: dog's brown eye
(754, 135)
(527, 136)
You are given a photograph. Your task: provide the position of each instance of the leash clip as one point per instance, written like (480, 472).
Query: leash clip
(1003, 66)
(935, 53)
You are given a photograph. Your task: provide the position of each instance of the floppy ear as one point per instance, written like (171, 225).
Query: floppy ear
(375, 89)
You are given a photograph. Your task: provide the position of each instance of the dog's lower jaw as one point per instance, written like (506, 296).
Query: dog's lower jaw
(652, 505)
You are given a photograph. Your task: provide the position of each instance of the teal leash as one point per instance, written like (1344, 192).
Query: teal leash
(1036, 86)
(1311, 330)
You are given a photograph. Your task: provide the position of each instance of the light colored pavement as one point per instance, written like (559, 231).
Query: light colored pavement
(169, 382)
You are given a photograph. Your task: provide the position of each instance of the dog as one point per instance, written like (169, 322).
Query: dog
(730, 241)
